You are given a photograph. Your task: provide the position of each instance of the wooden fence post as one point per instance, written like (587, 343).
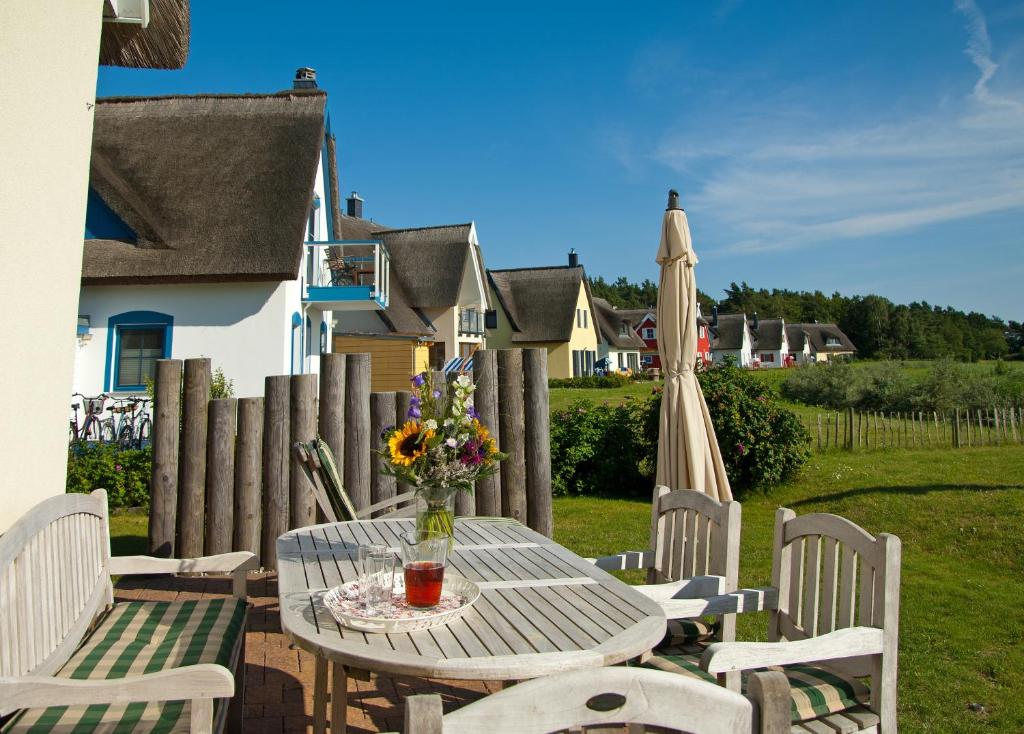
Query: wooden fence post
(163, 486)
(512, 430)
(276, 433)
(220, 476)
(537, 417)
(956, 428)
(248, 482)
(192, 459)
(851, 439)
(331, 406)
(485, 375)
(382, 416)
(357, 429)
(819, 432)
(302, 427)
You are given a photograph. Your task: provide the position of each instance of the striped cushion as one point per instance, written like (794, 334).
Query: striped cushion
(139, 637)
(814, 691)
(687, 632)
(336, 494)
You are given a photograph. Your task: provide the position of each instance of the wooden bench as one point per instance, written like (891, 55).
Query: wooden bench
(72, 659)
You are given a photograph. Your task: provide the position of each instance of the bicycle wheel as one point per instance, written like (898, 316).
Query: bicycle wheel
(107, 431)
(124, 436)
(145, 429)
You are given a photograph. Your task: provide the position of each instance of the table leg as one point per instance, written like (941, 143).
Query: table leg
(339, 698)
(320, 696)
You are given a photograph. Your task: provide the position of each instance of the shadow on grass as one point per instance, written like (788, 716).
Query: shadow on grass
(911, 490)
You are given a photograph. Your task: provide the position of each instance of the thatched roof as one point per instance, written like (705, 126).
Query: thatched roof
(432, 260)
(819, 335)
(796, 336)
(540, 302)
(769, 334)
(635, 316)
(729, 332)
(217, 187)
(163, 44)
(615, 327)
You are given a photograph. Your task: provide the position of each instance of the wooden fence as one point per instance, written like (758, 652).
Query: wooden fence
(854, 430)
(225, 478)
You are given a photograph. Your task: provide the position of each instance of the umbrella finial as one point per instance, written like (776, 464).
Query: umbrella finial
(673, 200)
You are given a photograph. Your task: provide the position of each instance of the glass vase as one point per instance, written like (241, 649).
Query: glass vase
(435, 512)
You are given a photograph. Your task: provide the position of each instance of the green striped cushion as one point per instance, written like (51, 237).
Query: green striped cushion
(688, 632)
(814, 691)
(336, 494)
(139, 637)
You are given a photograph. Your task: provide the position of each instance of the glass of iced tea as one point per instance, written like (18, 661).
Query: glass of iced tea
(423, 557)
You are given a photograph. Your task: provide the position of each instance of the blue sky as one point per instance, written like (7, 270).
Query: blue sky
(868, 147)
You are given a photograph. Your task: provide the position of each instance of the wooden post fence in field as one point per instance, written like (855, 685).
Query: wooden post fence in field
(192, 459)
(250, 490)
(163, 485)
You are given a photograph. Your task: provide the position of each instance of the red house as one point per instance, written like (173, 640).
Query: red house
(647, 327)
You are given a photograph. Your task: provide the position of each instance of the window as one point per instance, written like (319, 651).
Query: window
(622, 361)
(832, 341)
(634, 361)
(647, 359)
(648, 333)
(768, 357)
(623, 329)
(135, 341)
(585, 319)
(579, 318)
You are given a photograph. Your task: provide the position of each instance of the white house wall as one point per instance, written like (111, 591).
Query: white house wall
(244, 328)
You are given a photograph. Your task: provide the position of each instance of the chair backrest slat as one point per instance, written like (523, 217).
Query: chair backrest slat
(812, 563)
(867, 591)
(53, 581)
(796, 580)
(847, 587)
(829, 584)
(693, 534)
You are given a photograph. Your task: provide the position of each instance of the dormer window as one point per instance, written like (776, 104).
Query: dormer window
(623, 329)
(832, 341)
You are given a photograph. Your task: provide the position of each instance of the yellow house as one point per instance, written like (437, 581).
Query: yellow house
(547, 307)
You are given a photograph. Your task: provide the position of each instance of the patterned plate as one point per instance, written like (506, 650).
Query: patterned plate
(457, 595)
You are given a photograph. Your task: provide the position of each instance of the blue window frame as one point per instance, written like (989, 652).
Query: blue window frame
(135, 341)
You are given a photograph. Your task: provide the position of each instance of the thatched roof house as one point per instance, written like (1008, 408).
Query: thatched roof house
(617, 329)
(827, 340)
(163, 44)
(211, 188)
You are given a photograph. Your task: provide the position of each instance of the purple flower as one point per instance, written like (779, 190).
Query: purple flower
(473, 453)
(472, 413)
(741, 449)
(436, 393)
(414, 412)
(117, 467)
(418, 380)
(414, 401)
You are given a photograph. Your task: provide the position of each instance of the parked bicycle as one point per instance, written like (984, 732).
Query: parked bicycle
(94, 428)
(133, 424)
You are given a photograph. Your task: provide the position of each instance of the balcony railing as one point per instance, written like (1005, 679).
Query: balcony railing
(347, 275)
(471, 322)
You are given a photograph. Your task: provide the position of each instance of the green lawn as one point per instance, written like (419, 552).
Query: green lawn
(961, 518)
(960, 515)
(561, 397)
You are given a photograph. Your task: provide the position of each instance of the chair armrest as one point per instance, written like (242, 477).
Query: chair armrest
(735, 602)
(237, 564)
(628, 561)
(769, 690)
(206, 680)
(697, 587)
(725, 657)
(388, 504)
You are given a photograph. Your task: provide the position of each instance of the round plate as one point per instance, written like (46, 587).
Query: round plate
(457, 595)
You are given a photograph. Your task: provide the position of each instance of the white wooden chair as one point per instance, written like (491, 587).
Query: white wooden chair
(834, 620)
(71, 659)
(605, 696)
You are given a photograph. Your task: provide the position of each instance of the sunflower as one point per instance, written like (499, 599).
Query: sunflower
(481, 431)
(405, 446)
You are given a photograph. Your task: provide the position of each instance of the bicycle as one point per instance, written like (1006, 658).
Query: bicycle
(93, 429)
(134, 422)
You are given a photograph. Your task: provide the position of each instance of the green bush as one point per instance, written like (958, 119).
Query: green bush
(124, 474)
(616, 379)
(612, 449)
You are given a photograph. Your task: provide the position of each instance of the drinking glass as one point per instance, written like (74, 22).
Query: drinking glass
(376, 579)
(424, 554)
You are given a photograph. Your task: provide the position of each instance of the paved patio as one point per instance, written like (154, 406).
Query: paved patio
(279, 680)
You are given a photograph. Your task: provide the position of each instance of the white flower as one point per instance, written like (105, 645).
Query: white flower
(448, 422)
(463, 381)
(463, 437)
(452, 443)
(469, 401)
(431, 424)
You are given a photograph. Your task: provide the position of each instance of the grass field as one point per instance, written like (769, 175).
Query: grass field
(561, 397)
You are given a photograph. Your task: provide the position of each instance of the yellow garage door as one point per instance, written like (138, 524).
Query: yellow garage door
(391, 360)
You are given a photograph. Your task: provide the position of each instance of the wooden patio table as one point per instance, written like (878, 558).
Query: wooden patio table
(542, 610)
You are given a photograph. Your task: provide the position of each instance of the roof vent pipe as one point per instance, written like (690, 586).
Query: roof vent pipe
(756, 321)
(574, 259)
(354, 206)
(305, 78)
(714, 316)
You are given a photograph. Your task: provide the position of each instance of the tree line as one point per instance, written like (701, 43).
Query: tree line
(879, 327)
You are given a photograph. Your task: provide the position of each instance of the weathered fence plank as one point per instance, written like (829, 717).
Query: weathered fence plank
(276, 434)
(248, 480)
(220, 476)
(512, 431)
(538, 440)
(382, 417)
(163, 487)
(302, 427)
(485, 375)
(192, 458)
(331, 418)
(357, 429)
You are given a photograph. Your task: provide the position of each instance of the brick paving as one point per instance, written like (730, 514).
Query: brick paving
(279, 679)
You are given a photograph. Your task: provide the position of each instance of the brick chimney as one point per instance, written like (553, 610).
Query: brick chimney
(305, 78)
(354, 206)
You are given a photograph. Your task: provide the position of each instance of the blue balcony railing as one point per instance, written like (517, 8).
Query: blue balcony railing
(347, 275)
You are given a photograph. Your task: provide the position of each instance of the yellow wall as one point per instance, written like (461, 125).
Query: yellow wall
(420, 359)
(48, 54)
(391, 360)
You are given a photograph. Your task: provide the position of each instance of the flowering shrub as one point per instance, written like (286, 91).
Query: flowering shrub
(442, 445)
(612, 449)
(124, 474)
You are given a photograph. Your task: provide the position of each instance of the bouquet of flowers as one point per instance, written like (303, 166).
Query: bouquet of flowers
(442, 448)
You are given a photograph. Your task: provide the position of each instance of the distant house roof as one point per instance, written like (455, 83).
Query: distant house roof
(796, 336)
(637, 315)
(433, 261)
(729, 331)
(163, 44)
(540, 302)
(615, 327)
(769, 334)
(819, 334)
(217, 187)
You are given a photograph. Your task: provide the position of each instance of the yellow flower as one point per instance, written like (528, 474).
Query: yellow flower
(404, 445)
(481, 431)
